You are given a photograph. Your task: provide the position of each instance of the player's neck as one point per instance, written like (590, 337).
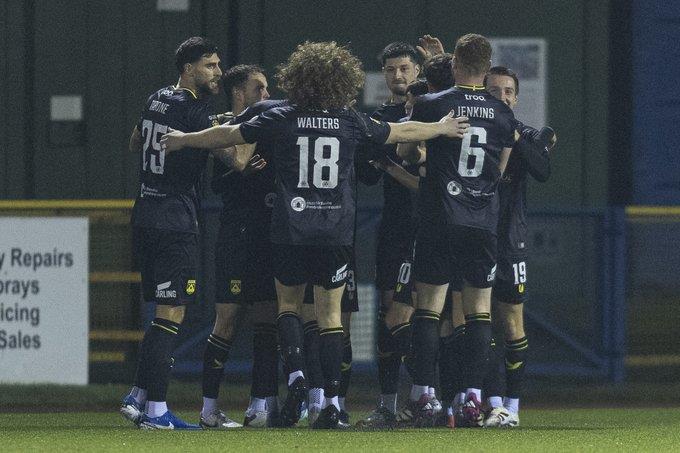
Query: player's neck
(189, 85)
(471, 82)
(396, 99)
(237, 107)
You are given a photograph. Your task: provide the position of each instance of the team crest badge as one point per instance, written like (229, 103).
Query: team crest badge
(191, 287)
(235, 286)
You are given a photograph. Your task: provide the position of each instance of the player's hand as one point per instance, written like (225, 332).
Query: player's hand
(255, 164)
(382, 164)
(225, 117)
(429, 46)
(172, 141)
(454, 126)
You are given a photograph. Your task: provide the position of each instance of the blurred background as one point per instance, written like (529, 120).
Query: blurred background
(605, 229)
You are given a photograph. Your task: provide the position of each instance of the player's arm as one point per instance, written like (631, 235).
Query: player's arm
(505, 156)
(398, 172)
(237, 157)
(135, 142)
(532, 147)
(415, 131)
(411, 153)
(219, 137)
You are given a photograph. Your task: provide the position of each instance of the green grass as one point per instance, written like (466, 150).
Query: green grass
(541, 430)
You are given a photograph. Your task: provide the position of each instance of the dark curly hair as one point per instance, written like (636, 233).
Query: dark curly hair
(437, 71)
(321, 76)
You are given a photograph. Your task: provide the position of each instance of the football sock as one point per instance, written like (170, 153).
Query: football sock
(515, 359)
(215, 355)
(331, 401)
(265, 374)
(138, 394)
(388, 362)
(313, 372)
(401, 339)
(474, 391)
(294, 375)
(417, 391)
(389, 401)
(341, 402)
(345, 368)
(511, 404)
(459, 398)
(493, 381)
(330, 352)
(425, 346)
(209, 406)
(291, 339)
(155, 408)
(458, 359)
(495, 401)
(315, 397)
(431, 392)
(477, 344)
(160, 343)
(272, 403)
(257, 404)
(447, 369)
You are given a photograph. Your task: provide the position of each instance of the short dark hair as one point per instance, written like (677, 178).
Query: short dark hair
(473, 53)
(399, 49)
(417, 87)
(437, 71)
(238, 75)
(192, 50)
(502, 70)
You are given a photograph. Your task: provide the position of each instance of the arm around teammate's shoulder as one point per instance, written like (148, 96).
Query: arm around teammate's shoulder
(415, 131)
(223, 136)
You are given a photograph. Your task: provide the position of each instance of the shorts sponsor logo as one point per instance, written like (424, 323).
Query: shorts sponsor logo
(162, 291)
(298, 204)
(191, 287)
(492, 274)
(340, 274)
(269, 199)
(235, 286)
(453, 188)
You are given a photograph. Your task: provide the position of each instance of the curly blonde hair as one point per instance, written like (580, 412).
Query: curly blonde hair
(321, 75)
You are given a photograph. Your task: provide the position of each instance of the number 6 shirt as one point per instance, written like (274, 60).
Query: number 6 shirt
(314, 153)
(462, 174)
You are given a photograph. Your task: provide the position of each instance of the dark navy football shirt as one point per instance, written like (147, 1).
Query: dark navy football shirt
(462, 174)
(314, 155)
(167, 196)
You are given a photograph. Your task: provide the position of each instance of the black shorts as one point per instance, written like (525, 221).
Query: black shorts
(243, 265)
(350, 301)
(168, 262)
(447, 251)
(389, 256)
(404, 289)
(511, 279)
(326, 266)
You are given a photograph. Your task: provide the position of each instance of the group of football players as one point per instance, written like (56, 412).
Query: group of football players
(452, 237)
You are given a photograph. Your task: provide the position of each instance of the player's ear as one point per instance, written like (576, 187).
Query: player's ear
(417, 70)
(188, 68)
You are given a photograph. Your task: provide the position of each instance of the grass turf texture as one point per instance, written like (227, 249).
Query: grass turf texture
(542, 430)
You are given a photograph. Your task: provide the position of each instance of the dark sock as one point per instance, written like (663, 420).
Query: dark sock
(142, 374)
(515, 359)
(401, 339)
(215, 355)
(477, 343)
(447, 368)
(291, 339)
(457, 348)
(159, 341)
(265, 374)
(313, 372)
(330, 352)
(425, 346)
(388, 362)
(493, 383)
(346, 366)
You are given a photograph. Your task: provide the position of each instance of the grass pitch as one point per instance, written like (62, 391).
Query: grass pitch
(636, 429)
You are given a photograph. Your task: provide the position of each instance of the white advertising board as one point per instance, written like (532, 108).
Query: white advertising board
(44, 300)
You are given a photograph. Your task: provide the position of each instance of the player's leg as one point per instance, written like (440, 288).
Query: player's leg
(231, 286)
(291, 341)
(313, 372)
(346, 366)
(263, 407)
(174, 273)
(477, 249)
